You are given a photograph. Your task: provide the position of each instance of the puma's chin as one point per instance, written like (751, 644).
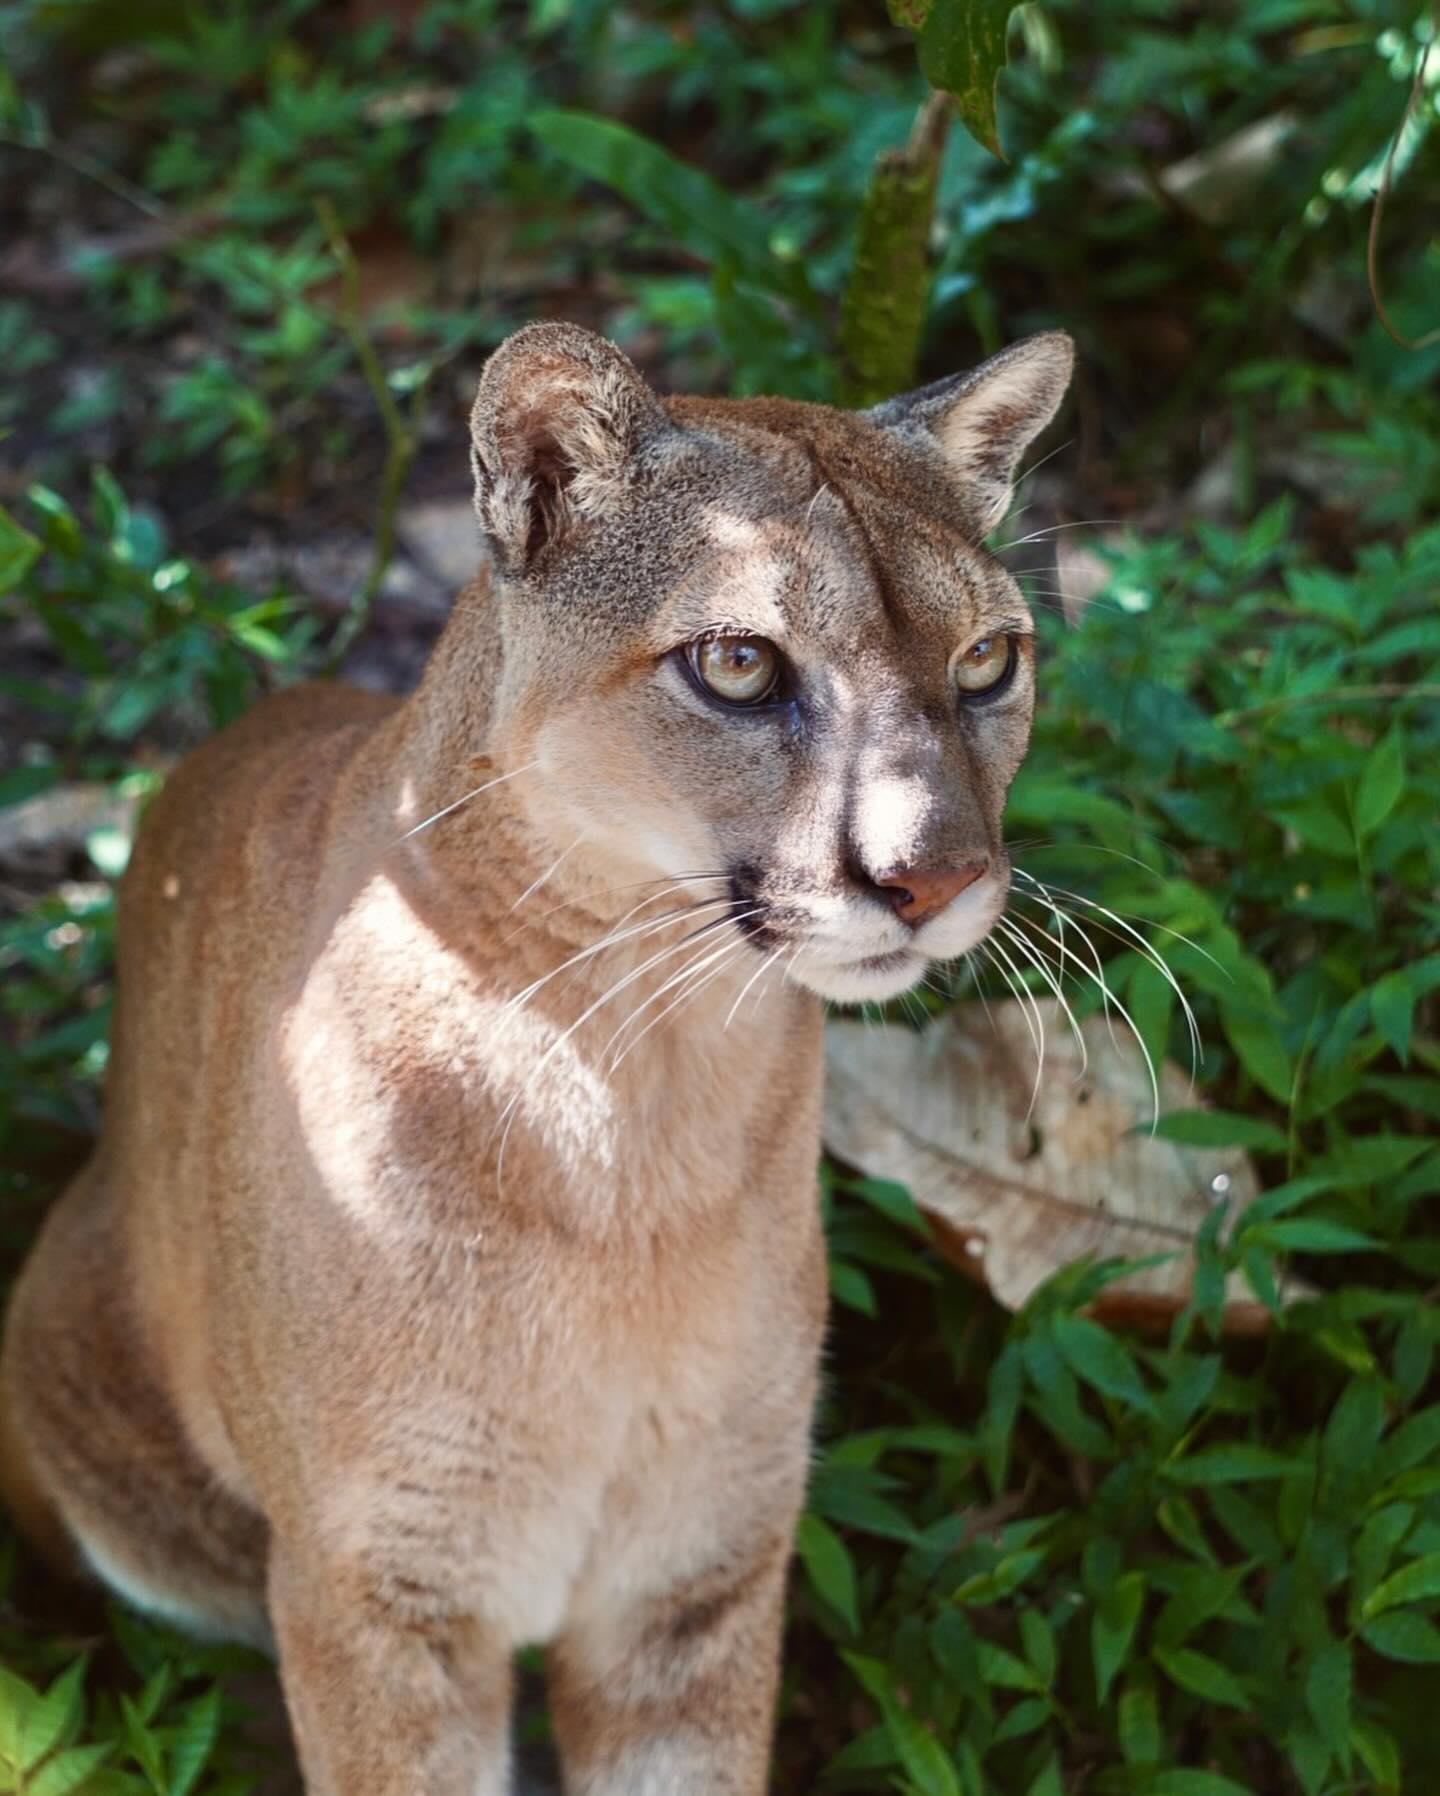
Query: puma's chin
(872, 979)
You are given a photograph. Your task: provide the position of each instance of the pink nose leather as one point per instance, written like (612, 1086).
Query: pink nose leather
(918, 895)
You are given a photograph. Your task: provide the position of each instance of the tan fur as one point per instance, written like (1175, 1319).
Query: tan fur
(407, 1311)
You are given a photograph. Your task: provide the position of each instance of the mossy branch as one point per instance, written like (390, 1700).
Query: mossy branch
(883, 311)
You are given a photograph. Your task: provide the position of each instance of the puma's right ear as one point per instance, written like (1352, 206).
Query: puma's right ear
(983, 421)
(558, 418)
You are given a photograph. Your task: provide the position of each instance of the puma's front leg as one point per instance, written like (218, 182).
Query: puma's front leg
(676, 1696)
(389, 1694)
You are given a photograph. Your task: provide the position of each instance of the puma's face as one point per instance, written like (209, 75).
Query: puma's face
(757, 648)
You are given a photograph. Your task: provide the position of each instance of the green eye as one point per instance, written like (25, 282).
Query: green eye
(983, 667)
(742, 670)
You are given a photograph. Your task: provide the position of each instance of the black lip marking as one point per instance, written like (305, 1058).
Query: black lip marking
(744, 897)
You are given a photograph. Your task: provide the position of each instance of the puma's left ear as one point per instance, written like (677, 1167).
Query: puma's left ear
(984, 421)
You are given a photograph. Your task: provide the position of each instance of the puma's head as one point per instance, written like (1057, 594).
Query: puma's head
(762, 642)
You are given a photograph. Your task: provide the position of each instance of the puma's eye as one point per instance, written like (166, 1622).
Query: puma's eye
(742, 670)
(983, 669)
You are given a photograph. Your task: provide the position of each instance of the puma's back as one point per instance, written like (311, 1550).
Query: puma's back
(449, 1274)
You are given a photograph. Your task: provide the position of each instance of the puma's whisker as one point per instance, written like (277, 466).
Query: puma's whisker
(1149, 952)
(1029, 1004)
(1033, 955)
(475, 792)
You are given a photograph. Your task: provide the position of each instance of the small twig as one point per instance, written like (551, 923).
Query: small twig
(402, 437)
(81, 164)
(1382, 193)
(1331, 695)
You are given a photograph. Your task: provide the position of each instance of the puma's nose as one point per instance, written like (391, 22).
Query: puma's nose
(917, 895)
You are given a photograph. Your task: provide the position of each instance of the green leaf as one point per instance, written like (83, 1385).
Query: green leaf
(851, 1286)
(68, 1772)
(19, 551)
(1328, 1685)
(1381, 783)
(1379, 1754)
(1139, 1724)
(696, 210)
(1220, 1128)
(17, 1703)
(962, 51)
(55, 1719)
(1237, 1464)
(926, 1763)
(1407, 1636)
(829, 1567)
(1048, 1782)
(1094, 1355)
(1182, 1782)
(1309, 1234)
(1112, 1630)
(1392, 1005)
(1003, 1669)
(1039, 1643)
(1261, 1050)
(192, 1743)
(1413, 1583)
(1201, 1676)
(1354, 1429)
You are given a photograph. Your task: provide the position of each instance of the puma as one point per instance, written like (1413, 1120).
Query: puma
(449, 1274)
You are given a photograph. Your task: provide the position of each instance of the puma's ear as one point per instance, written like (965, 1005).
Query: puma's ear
(984, 421)
(558, 418)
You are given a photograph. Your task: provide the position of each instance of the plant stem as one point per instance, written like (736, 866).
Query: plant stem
(402, 438)
(883, 311)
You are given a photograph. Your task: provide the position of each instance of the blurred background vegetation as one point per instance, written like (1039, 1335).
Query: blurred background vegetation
(251, 258)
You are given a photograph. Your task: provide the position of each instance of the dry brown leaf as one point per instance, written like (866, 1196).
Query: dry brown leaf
(1017, 1193)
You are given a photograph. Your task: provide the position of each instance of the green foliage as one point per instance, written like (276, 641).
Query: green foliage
(1041, 1556)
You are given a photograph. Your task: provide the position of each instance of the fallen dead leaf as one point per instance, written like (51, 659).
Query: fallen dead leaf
(1016, 1193)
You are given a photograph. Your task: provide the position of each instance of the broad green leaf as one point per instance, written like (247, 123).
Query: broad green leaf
(1405, 1635)
(55, 1719)
(1004, 1670)
(19, 551)
(1309, 1234)
(1039, 1643)
(962, 51)
(1180, 1781)
(1220, 1128)
(1048, 1782)
(1376, 1545)
(1412, 1443)
(1260, 1049)
(1112, 1630)
(68, 1772)
(192, 1743)
(829, 1566)
(1379, 1754)
(1413, 1583)
(1201, 1594)
(1328, 1685)
(17, 1703)
(1139, 1723)
(1392, 1005)
(696, 210)
(1201, 1676)
(1095, 1355)
(852, 1287)
(1354, 1429)
(1381, 783)
(1240, 1463)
